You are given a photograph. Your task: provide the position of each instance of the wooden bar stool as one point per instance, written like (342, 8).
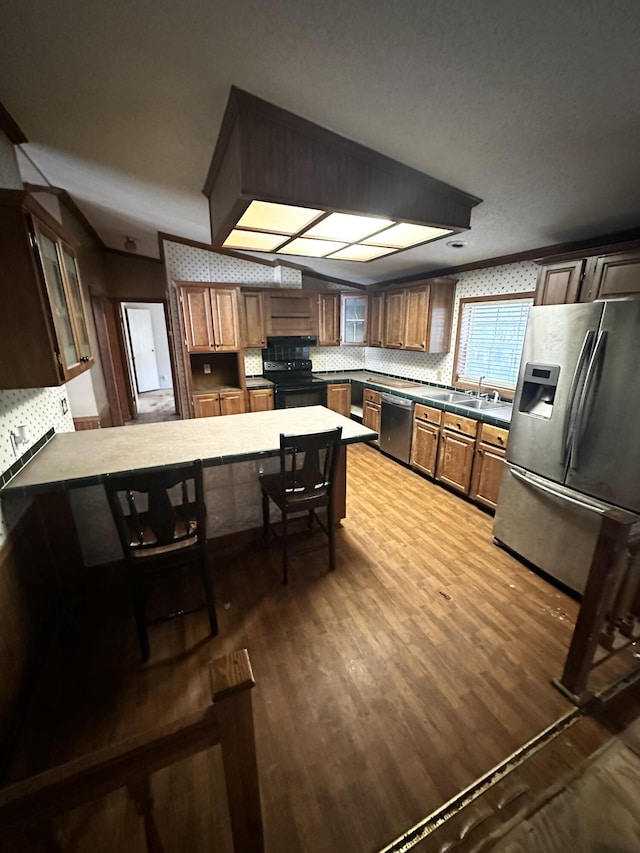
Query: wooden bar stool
(159, 534)
(304, 483)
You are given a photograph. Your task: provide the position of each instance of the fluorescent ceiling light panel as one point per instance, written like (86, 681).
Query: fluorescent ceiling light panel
(405, 234)
(347, 227)
(323, 193)
(254, 240)
(281, 218)
(361, 253)
(311, 248)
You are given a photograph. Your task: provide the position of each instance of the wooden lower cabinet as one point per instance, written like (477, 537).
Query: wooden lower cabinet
(371, 410)
(426, 437)
(261, 400)
(206, 405)
(488, 465)
(456, 452)
(219, 403)
(339, 399)
(233, 402)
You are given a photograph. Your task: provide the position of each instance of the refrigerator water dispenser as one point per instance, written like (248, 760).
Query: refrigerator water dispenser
(539, 389)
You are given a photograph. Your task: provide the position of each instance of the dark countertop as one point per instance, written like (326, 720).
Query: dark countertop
(500, 417)
(256, 382)
(76, 459)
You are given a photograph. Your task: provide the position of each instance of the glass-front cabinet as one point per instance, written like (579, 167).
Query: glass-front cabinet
(354, 320)
(44, 331)
(61, 276)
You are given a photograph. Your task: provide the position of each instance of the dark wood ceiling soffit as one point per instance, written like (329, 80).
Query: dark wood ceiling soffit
(11, 127)
(267, 153)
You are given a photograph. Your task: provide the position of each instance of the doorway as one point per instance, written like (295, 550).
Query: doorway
(148, 360)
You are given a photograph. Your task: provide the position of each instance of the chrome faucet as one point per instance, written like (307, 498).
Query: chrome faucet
(480, 385)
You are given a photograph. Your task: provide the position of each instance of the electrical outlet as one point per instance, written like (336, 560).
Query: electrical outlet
(207, 368)
(64, 405)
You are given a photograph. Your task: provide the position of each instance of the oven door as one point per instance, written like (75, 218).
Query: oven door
(290, 397)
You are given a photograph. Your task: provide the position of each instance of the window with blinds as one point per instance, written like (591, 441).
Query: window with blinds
(491, 334)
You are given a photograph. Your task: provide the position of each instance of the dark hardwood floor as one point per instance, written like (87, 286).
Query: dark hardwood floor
(383, 689)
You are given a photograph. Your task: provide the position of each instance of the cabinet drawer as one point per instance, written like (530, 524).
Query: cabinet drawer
(494, 435)
(467, 426)
(428, 414)
(370, 396)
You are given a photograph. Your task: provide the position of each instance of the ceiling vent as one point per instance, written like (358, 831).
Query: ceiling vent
(283, 185)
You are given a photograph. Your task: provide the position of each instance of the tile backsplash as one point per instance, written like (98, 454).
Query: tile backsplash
(38, 410)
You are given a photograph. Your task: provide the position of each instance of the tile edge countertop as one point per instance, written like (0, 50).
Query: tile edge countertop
(419, 394)
(76, 459)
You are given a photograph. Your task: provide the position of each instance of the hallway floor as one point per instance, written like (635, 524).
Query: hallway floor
(155, 407)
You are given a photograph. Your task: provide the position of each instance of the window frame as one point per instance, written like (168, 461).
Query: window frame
(503, 390)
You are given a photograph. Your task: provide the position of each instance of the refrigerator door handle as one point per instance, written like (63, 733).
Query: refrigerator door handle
(567, 434)
(594, 362)
(535, 483)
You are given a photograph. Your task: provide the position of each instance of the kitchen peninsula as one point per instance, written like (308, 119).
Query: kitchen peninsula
(233, 449)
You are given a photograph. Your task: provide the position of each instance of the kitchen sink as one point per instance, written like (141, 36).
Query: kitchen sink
(481, 405)
(448, 396)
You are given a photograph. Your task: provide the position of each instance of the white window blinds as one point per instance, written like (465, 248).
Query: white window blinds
(490, 341)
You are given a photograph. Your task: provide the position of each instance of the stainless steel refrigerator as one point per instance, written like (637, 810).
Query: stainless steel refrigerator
(574, 441)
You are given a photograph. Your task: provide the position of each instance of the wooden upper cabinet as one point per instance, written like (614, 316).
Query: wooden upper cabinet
(253, 328)
(210, 316)
(226, 325)
(354, 320)
(442, 293)
(394, 309)
(559, 283)
(44, 332)
(416, 319)
(198, 319)
(329, 319)
(615, 276)
(420, 318)
(291, 311)
(376, 320)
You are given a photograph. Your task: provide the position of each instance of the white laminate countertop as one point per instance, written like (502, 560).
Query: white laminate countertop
(74, 459)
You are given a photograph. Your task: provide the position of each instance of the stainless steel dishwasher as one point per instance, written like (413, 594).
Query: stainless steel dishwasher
(396, 426)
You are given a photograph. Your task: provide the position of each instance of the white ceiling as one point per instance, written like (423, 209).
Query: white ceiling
(533, 107)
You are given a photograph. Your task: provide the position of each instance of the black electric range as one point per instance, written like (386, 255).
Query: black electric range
(286, 363)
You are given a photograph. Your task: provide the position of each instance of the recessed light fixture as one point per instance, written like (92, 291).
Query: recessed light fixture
(281, 184)
(456, 244)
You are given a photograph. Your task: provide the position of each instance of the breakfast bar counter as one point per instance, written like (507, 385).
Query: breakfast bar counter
(234, 450)
(76, 459)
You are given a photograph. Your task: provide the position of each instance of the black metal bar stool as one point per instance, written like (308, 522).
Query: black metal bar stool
(305, 483)
(161, 534)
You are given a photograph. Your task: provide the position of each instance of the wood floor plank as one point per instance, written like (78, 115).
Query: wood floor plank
(383, 688)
